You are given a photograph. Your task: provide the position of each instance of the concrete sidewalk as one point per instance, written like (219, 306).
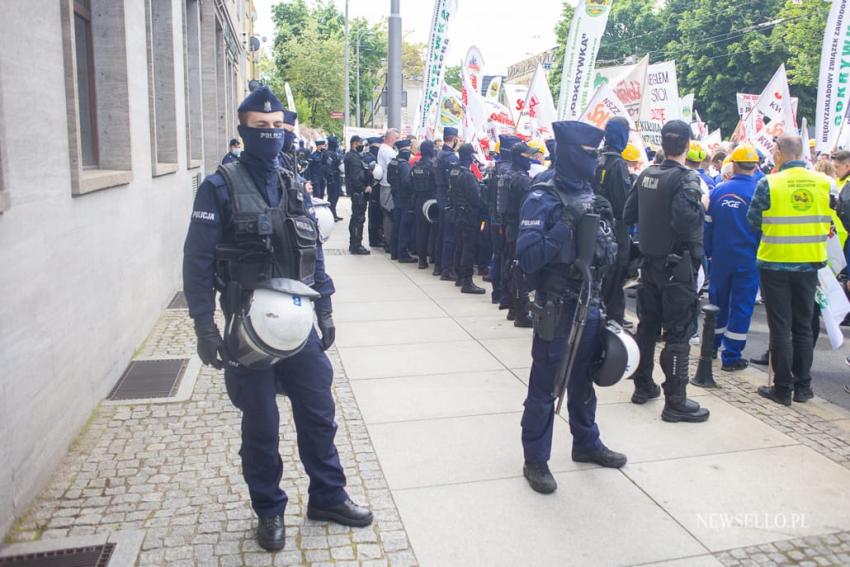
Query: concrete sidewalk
(440, 379)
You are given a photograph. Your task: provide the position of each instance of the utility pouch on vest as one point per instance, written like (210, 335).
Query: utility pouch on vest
(243, 265)
(295, 248)
(249, 226)
(681, 267)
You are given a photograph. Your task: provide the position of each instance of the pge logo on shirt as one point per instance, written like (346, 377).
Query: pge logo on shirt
(731, 203)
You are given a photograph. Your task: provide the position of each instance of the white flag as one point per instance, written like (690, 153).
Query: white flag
(476, 114)
(438, 44)
(494, 88)
(804, 134)
(539, 108)
(834, 80)
(586, 29)
(629, 87)
(775, 100)
(688, 107)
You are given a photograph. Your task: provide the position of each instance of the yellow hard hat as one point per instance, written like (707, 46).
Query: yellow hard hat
(498, 146)
(744, 153)
(727, 160)
(537, 146)
(813, 143)
(631, 153)
(696, 153)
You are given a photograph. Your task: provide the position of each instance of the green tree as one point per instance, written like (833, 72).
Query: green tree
(562, 30)
(723, 47)
(453, 77)
(315, 73)
(632, 30)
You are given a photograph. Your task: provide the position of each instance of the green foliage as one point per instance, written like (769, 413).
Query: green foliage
(721, 47)
(453, 76)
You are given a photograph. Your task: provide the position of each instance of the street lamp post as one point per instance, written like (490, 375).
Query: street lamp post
(394, 67)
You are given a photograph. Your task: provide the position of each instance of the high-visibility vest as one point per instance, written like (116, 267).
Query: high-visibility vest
(796, 226)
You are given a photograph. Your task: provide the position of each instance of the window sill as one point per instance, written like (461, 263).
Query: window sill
(195, 163)
(92, 180)
(164, 169)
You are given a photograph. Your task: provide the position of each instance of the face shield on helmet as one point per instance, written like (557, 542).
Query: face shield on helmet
(620, 357)
(274, 325)
(324, 218)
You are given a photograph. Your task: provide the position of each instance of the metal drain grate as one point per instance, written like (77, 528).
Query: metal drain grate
(178, 301)
(93, 556)
(335, 252)
(150, 379)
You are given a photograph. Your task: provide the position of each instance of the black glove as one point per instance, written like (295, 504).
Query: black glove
(326, 327)
(210, 345)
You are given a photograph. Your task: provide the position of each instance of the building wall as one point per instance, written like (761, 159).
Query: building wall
(85, 273)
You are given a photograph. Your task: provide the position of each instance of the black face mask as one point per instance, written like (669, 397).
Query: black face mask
(263, 144)
(288, 140)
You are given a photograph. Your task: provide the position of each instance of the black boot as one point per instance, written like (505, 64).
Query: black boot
(762, 360)
(645, 391)
(677, 406)
(803, 394)
(511, 314)
(523, 321)
(782, 397)
(470, 287)
(347, 514)
(448, 276)
(406, 259)
(359, 251)
(437, 270)
(271, 533)
(539, 477)
(423, 263)
(603, 456)
(459, 281)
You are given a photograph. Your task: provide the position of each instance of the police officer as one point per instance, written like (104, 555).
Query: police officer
(731, 244)
(331, 160)
(667, 207)
(357, 185)
(513, 192)
(376, 215)
(398, 175)
(233, 151)
(446, 235)
(546, 250)
(288, 155)
(465, 206)
(422, 181)
(315, 170)
(613, 182)
(499, 181)
(229, 256)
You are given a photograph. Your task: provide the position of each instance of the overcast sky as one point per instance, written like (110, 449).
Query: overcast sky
(506, 32)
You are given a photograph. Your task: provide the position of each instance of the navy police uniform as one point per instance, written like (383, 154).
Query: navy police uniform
(331, 160)
(316, 169)
(375, 214)
(423, 184)
(446, 158)
(398, 175)
(497, 232)
(306, 376)
(356, 180)
(546, 249)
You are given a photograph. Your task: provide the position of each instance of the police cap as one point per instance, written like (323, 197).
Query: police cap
(261, 100)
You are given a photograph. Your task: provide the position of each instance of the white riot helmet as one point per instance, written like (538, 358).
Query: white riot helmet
(620, 358)
(341, 167)
(275, 325)
(377, 172)
(324, 218)
(430, 210)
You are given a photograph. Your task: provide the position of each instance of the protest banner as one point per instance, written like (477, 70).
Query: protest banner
(834, 81)
(438, 44)
(538, 112)
(586, 29)
(660, 102)
(688, 107)
(604, 106)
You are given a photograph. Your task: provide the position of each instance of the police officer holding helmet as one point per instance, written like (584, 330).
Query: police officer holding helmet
(666, 204)
(251, 239)
(422, 179)
(465, 209)
(546, 250)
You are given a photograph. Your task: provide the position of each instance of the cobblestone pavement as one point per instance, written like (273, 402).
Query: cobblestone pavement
(173, 470)
(820, 551)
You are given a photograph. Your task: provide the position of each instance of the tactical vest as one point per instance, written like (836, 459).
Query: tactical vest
(561, 275)
(393, 174)
(656, 188)
(516, 192)
(796, 226)
(458, 199)
(503, 189)
(263, 242)
(422, 178)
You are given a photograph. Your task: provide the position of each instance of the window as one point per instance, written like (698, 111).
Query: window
(97, 94)
(161, 85)
(85, 82)
(192, 66)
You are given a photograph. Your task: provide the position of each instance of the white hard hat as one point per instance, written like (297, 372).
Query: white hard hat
(274, 326)
(324, 218)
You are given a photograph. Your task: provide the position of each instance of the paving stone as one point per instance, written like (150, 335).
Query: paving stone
(174, 472)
